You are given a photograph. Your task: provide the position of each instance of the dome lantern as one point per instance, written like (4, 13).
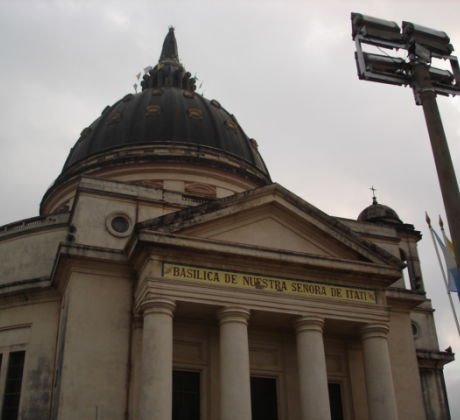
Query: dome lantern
(169, 72)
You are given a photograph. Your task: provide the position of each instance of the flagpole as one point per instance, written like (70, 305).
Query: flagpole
(446, 283)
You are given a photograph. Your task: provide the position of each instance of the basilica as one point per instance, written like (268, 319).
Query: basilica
(168, 277)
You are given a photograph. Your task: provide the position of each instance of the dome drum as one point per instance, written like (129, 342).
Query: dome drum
(212, 166)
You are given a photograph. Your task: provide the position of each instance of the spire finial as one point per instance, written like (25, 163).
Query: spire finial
(427, 219)
(169, 72)
(441, 223)
(169, 51)
(374, 198)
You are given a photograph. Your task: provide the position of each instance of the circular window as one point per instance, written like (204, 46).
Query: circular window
(119, 225)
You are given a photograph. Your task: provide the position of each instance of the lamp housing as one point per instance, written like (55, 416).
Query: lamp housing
(441, 77)
(380, 68)
(376, 30)
(438, 42)
(384, 64)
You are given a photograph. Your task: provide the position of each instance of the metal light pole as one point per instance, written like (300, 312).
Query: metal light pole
(442, 158)
(426, 81)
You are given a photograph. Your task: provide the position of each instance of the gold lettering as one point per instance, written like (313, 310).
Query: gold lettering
(230, 278)
(244, 280)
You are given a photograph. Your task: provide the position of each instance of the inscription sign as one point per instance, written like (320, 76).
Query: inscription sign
(267, 283)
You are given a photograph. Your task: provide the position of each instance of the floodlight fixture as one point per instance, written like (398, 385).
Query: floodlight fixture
(376, 31)
(455, 69)
(440, 76)
(426, 81)
(436, 41)
(383, 63)
(420, 42)
(382, 68)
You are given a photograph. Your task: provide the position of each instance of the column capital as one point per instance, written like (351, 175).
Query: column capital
(309, 323)
(158, 305)
(233, 314)
(375, 331)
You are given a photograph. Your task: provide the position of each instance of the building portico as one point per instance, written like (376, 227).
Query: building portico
(306, 326)
(202, 330)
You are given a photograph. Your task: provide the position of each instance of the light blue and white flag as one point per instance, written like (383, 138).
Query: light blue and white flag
(451, 266)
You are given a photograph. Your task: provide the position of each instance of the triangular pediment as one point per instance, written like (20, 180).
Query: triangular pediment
(273, 218)
(272, 226)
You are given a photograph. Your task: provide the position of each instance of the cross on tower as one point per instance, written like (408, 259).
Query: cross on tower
(374, 198)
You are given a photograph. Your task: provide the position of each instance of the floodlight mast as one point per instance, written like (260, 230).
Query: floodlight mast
(422, 44)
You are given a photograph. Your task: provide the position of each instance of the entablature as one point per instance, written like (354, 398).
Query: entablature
(350, 272)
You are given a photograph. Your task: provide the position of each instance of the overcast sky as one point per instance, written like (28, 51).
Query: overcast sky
(285, 69)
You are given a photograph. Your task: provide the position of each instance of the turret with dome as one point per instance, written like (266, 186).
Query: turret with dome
(379, 213)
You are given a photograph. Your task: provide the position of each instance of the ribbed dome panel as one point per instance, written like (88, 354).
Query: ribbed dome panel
(165, 115)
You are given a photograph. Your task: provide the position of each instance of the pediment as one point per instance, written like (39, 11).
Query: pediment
(272, 218)
(271, 226)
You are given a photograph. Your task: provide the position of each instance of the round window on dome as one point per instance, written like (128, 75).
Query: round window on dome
(119, 224)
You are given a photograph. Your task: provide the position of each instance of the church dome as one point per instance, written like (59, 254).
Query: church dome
(168, 122)
(165, 115)
(379, 213)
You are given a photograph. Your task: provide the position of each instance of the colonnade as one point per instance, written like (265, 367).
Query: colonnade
(235, 396)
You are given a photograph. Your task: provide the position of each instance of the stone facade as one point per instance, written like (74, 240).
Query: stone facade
(103, 325)
(199, 263)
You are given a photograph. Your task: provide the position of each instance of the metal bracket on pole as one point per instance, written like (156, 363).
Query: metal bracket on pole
(363, 71)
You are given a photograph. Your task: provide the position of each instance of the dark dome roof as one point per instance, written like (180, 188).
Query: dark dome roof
(379, 213)
(165, 115)
(166, 112)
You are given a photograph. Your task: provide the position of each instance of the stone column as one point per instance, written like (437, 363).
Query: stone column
(136, 367)
(157, 356)
(379, 379)
(235, 386)
(314, 394)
